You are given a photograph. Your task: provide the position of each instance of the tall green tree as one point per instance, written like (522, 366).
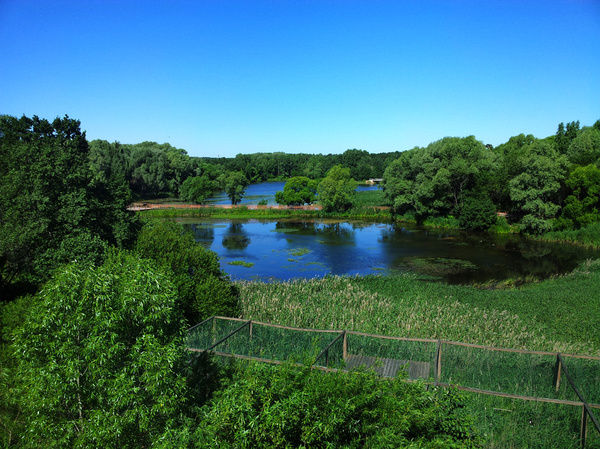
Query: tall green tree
(582, 206)
(235, 184)
(585, 148)
(197, 189)
(434, 180)
(535, 191)
(53, 207)
(337, 190)
(298, 191)
(102, 357)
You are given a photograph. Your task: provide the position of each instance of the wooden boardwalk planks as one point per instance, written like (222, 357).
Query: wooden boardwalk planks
(389, 367)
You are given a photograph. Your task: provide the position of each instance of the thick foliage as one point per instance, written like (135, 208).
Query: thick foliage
(432, 181)
(266, 406)
(203, 289)
(197, 189)
(101, 356)
(337, 190)
(234, 183)
(582, 206)
(53, 207)
(535, 190)
(477, 213)
(298, 191)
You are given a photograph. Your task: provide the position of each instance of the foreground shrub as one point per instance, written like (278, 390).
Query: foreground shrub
(101, 357)
(203, 288)
(288, 406)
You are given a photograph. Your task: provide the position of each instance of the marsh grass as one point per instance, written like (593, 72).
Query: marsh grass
(413, 309)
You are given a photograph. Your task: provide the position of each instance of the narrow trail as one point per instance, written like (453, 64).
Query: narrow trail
(138, 206)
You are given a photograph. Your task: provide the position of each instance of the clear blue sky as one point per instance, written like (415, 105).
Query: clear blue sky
(223, 77)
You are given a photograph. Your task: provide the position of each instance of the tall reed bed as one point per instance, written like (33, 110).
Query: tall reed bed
(408, 311)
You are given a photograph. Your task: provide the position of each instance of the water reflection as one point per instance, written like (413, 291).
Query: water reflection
(204, 234)
(287, 249)
(235, 238)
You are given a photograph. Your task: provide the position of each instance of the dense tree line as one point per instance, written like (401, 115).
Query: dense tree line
(154, 170)
(543, 184)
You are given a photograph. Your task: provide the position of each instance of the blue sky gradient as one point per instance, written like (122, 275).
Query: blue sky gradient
(219, 78)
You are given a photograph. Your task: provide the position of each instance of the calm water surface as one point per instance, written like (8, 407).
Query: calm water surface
(264, 191)
(287, 249)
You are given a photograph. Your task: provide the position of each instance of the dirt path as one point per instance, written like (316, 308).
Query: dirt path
(148, 206)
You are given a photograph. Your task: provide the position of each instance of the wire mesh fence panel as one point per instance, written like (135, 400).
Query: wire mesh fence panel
(392, 356)
(518, 373)
(286, 344)
(585, 374)
(333, 357)
(210, 331)
(515, 423)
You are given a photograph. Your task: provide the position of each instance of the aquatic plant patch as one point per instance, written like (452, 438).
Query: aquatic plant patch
(241, 263)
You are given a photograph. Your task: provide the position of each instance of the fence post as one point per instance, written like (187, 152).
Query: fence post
(214, 329)
(583, 426)
(438, 362)
(345, 347)
(557, 370)
(250, 331)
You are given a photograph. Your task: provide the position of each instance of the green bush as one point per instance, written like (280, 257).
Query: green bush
(477, 213)
(203, 288)
(288, 406)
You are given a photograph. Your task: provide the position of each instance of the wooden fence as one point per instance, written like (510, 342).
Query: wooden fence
(415, 369)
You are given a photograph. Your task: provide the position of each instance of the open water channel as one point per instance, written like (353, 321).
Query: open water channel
(286, 249)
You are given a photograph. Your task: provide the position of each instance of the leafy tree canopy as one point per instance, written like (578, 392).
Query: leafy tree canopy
(298, 191)
(535, 190)
(582, 206)
(477, 213)
(101, 357)
(433, 181)
(337, 190)
(300, 407)
(235, 183)
(197, 189)
(53, 207)
(203, 289)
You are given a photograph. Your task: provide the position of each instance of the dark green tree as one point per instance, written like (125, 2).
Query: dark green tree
(535, 191)
(585, 148)
(298, 191)
(433, 181)
(102, 357)
(337, 190)
(203, 288)
(477, 213)
(287, 406)
(53, 207)
(235, 184)
(197, 189)
(582, 206)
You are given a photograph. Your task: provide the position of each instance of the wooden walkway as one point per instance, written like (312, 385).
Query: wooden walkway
(389, 367)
